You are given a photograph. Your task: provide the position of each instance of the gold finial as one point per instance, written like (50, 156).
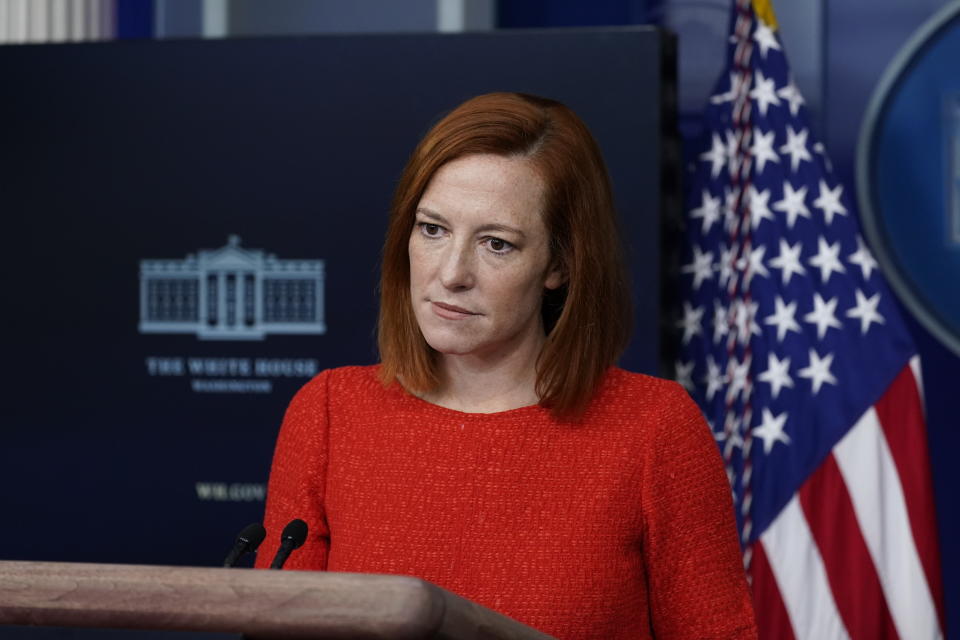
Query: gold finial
(764, 11)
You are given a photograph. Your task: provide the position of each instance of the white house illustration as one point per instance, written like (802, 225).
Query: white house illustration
(232, 293)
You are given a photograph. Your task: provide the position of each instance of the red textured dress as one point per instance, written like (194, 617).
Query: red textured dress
(619, 526)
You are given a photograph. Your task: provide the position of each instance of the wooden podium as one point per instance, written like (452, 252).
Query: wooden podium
(259, 604)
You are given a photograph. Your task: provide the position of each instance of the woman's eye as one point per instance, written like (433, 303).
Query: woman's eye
(498, 245)
(429, 229)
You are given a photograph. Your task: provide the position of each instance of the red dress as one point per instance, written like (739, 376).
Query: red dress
(619, 526)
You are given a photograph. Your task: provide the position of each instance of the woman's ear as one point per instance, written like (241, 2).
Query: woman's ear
(556, 278)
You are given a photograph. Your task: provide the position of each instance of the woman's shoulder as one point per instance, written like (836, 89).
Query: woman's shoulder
(622, 385)
(655, 410)
(645, 397)
(354, 377)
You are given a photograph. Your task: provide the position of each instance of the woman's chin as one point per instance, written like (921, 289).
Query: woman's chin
(450, 348)
(449, 342)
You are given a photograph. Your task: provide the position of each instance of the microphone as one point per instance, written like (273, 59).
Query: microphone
(294, 534)
(247, 541)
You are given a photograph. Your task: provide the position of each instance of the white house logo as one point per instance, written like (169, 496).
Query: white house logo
(232, 293)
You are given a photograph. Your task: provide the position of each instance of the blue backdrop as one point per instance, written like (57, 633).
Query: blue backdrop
(194, 230)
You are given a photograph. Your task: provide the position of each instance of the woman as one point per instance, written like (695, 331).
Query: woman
(496, 451)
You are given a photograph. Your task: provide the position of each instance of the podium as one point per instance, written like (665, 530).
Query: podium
(264, 605)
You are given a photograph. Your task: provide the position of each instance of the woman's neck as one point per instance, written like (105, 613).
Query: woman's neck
(475, 384)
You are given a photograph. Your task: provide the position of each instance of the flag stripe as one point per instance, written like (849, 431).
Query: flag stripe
(852, 575)
(798, 568)
(871, 477)
(771, 613)
(901, 417)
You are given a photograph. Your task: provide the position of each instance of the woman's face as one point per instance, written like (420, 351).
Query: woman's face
(480, 257)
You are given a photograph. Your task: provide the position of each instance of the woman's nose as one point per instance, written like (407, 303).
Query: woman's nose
(457, 270)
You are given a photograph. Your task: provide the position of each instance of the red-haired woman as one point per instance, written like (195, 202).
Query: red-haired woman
(496, 450)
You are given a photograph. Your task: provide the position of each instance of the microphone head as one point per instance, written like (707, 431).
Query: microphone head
(253, 534)
(295, 532)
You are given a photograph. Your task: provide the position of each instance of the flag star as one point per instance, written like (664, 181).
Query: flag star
(722, 432)
(791, 94)
(708, 211)
(783, 318)
(716, 156)
(745, 320)
(866, 311)
(777, 374)
(771, 430)
(823, 315)
(719, 322)
(829, 201)
(731, 427)
(685, 374)
(714, 378)
(765, 37)
(788, 261)
(863, 258)
(756, 264)
(738, 375)
(818, 372)
(827, 259)
(725, 265)
(819, 148)
(796, 147)
(763, 92)
(691, 322)
(759, 209)
(701, 267)
(729, 94)
(793, 203)
(734, 441)
(762, 149)
(719, 436)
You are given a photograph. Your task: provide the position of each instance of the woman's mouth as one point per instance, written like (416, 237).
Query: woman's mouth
(451, 311)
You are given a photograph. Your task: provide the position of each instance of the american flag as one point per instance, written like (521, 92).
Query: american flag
(792, 345)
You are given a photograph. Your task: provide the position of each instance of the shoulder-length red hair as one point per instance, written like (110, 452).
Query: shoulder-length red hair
(588, 319)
